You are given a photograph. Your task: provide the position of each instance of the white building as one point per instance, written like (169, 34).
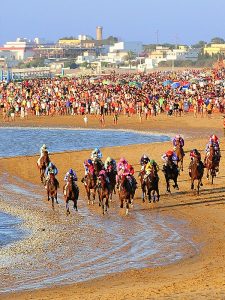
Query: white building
(86, 57)
(135, 47)
(18, 50)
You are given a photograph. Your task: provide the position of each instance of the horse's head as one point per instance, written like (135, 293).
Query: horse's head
(52, 176)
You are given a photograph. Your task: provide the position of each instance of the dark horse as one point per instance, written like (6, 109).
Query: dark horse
(112, 179)
(71, 193)
(52, 186)
(196, 172)
(151, 184)
(98, 166)
(180, 154)
(126, 192)
(171, 173)
(103, 193)
(211, 163)
(44, 161)
(90, 184)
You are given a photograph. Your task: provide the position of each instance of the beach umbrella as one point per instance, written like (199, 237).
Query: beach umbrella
(167, 82)
(175, 85)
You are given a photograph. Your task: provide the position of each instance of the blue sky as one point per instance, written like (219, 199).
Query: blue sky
(176, 21)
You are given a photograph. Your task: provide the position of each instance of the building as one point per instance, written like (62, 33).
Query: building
(213, 49)
(99, 33)
(135, 47)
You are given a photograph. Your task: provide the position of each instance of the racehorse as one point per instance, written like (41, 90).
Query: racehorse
(196, 173)
(180, 154)
(90, 184)
(112, 179)
(126, 192)
(98, 166)
(52, 186)
(71, 193)
(171, 173)
(211, 163)
(103, 193)
(44, 161)
(151, 184)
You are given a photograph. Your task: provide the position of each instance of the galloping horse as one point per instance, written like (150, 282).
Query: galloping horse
(71, 192)
(126, 192)
(43, 163)
(196, 173)
(180, 154)
(98, 166)
(171, 173)
(151, 183)
(90, 184)
(112, 179)
(52, 186)
(103, 193)
(211, 163)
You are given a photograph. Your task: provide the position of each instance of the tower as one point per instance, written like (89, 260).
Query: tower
(99, 33)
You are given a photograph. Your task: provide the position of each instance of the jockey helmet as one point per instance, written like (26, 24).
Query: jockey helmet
(123, 160)
(89, 161)
(214, 138)
(96, 150)
(169, 153)
(145, 156)
(177, 136)
(44, 146)
(152, 162)
(50, 165)
(71, 171)
(108, 159)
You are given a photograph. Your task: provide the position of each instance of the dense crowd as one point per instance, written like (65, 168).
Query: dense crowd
(174, 93)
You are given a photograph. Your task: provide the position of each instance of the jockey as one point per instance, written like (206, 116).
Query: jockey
(144, 160)
(195, 154)
(148, 168)
(111, 162)
(178, 139)
(43, 149)
(169, 154)
(96, 154)
(130, 174)
(121, 166)
(88, 168)
(213, 140)
(51, 169)
(72, 173)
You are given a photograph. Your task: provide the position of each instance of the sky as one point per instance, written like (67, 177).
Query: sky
(147, 21)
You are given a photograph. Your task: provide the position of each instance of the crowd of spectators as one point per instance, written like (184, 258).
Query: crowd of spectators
(174, 93)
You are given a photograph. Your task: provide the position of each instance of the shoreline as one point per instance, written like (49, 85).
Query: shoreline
(198, 276)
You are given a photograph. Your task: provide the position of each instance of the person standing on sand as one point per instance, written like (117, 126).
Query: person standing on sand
(85, 120)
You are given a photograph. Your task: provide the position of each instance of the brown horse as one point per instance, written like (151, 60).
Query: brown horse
(151, 184)
(90, 184)
(126, 192)
(98, 165)
(171, 173)
(71, 193)
(103, 193)
(44, 161)
(211, 163)
(180, 154)
(196, 173)
(112, 179)
(52, 186)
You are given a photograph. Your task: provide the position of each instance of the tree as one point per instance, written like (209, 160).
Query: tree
(129, 57)
(217, 40)
(200, 44)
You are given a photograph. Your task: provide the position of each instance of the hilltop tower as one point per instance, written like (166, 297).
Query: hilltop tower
(99, 33)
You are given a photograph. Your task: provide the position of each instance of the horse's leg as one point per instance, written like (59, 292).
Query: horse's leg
(149, 196)
(67, 208)
(121, 202)
(168, 185)
(48, 195)
(88, 194)
(192, 183)
(93, 196)
(75, 204)
(198, 186)
(127, 206)
(158, 196)
(56, 198)
(52, 202)
(207, 174)
(181, 164)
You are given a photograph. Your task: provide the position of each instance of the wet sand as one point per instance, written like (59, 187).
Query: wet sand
(201, 275)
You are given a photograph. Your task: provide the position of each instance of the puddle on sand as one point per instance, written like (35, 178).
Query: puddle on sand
(87, 245)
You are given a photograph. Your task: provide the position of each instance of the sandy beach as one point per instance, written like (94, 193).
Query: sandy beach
(200, 275)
